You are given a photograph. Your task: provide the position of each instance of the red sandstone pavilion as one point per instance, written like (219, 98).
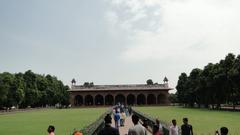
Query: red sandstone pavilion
(132, 94)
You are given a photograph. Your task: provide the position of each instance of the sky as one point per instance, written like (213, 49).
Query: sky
(116, 41)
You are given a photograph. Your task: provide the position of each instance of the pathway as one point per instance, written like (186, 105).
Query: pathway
(128, 124)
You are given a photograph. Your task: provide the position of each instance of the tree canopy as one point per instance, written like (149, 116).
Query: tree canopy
(214, 85)
(31, 89)
(149, 82)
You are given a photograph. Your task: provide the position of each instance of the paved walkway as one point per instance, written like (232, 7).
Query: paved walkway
(128, 124)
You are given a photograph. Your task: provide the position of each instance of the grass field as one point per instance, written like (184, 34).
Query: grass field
(203, 121)
(36, 122)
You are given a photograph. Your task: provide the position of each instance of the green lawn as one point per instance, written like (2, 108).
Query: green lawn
(36, 122)
(203, 121)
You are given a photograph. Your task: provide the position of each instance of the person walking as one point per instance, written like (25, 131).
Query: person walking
(51, 130)
(122, 120)
(117, 119)
(173, 130)
(224, 131)
(137, 129)
(156, 130)
(160, 127)
(108, 130)
(186, 128)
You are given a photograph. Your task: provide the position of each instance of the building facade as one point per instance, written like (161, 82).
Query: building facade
(135, 94)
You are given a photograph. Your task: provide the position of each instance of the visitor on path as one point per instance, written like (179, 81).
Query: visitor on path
(137, 129)
(108, 130)
(160, 127)
(122, 108)
(173, 130)
(130, 110)
(224, 131)
(186, 128)
(156, 130)
(122, 120)
(117, 119)
(51, 130)
(145, 123)
(126, 111)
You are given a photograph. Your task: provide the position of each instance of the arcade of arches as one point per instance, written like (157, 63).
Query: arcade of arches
(111, 99)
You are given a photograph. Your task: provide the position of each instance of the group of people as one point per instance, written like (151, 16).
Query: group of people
(141, 129)
(187, 129)
(137, 129)
(120, 113)
(51, 131)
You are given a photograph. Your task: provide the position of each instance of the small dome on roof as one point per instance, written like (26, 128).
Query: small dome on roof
(73, 81)
(165, 79)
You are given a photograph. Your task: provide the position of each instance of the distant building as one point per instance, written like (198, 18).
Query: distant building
(134, 94)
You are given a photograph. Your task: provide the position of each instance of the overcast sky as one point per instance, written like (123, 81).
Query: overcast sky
(116, 41)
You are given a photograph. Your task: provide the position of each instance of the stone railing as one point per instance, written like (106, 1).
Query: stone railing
(130, 86)
(151, 121)
(95, 127)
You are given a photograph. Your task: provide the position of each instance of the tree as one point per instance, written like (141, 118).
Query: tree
(206, 85)
(234, 76)
(20, 92)
(5, 79)
(31, 89)
(86, 84)
(31, 92)
(149, 82)
(216, 84)
(182, 88)
(193, 87)
(173, 98)
(7, 89)
(91, 84)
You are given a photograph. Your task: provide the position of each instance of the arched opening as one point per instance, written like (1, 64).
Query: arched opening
(109, 100)
(120, 99)
(88, 100)
(78, 100)
(141, 99)
(99, 100)
(130, 99)
(161, 99)
(151, 99)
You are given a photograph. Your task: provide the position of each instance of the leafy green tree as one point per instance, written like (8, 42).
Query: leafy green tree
(193, 87)
(206, 85)
(182, 88)
(149, 82)
(91, 84)
(173, 98)
(31, 89)
(216, 84)
(20, 90)
(8, 82)
(4, 89)
(234, 76)
(31, 92)
(86, 84)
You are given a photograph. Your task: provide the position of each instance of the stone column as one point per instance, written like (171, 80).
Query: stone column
(83, 96)
(72, 99)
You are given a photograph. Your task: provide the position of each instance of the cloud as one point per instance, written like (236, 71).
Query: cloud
(159, 29)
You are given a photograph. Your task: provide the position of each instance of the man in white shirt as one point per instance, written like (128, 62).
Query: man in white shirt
(137, 129)
(173, 130)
